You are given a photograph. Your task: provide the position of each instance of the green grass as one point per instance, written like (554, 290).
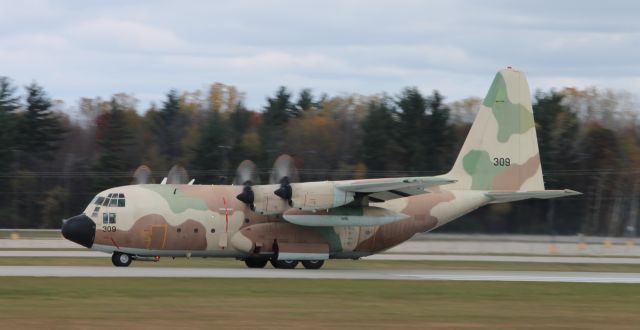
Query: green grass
(118, 303)
(332, 264)
(28, 234)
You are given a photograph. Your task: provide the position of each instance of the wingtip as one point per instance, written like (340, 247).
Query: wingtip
(570, 192)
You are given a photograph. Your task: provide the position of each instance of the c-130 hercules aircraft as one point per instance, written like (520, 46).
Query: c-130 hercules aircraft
(287, 223)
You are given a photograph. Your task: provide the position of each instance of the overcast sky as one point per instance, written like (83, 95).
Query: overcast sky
(97, 48)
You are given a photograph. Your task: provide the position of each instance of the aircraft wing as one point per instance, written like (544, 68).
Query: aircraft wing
(380, 190)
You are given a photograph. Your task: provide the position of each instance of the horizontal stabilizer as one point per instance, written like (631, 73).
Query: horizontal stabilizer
(512, 196)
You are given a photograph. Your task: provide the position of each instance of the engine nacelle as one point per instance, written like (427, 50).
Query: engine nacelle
(307, 196)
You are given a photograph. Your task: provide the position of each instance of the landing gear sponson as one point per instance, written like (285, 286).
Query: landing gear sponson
(283, 264)
(120, 259)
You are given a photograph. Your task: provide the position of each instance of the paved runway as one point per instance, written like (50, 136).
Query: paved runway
(385, 256)
(359, 274)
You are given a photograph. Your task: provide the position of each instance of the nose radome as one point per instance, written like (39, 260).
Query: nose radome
(80, 229)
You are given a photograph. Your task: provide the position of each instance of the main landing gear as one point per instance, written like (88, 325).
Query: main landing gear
(120, 259)
(283, 264)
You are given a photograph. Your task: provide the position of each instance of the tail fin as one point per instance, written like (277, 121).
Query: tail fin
(501, 150)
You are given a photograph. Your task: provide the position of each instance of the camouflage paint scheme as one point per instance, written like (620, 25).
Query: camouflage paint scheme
(499, 162)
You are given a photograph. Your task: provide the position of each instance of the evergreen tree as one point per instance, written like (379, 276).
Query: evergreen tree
(114, 136)
(9, 104)
(305, 102)
(211, 151)
(438, 137)
(279, 109)
(239, 121)
(379, 148)
(169, 127)
(40, 128)
(412, 124)
(275, 117)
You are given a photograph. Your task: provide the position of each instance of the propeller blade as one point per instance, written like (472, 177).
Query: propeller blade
(284, 166)
(177, 175)
(247, 172)
(142, 175)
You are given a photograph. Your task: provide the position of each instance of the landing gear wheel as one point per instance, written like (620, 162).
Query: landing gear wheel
(284, 264)
(255, 262)
(120, 259)
(312, 264)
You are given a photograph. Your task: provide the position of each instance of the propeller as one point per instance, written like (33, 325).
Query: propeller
(177, 175)
(284, 172)
(247, 172)
(247, 175)
(142, 175)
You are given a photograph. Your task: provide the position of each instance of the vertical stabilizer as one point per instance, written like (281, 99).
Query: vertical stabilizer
(501, 150)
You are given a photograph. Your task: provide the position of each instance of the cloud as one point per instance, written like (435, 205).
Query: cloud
(81, 49)
(109, 34)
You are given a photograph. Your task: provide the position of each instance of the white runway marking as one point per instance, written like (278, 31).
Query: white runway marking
(454, 275)
(385, 256)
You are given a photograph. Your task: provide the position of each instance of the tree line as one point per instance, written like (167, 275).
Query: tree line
(52, 164)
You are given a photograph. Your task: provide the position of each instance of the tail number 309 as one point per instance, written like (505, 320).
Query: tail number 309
(502, 161)
(108, 229)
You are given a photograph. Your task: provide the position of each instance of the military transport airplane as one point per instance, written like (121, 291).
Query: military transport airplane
(287, 223)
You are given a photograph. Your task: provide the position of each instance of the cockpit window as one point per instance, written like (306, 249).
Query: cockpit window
(112, 200)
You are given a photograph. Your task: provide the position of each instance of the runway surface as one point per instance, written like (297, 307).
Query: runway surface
(359, 274)
(386, 256)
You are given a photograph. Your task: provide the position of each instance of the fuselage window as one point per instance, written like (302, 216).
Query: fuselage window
(112, 218)
(99, 200)
(121, 202)
(113, 202)
(105, 218)
(95, 212)
(106, 201)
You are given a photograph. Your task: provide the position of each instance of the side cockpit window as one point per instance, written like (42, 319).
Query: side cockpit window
(108, 218)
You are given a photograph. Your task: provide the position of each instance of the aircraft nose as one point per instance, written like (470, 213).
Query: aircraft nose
(80, 229)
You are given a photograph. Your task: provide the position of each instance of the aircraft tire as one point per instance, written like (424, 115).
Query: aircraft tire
(255, 262)
(120, 259)
(284, 264)
(312, 264)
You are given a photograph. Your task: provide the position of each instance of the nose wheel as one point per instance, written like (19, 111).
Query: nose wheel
(120, 259)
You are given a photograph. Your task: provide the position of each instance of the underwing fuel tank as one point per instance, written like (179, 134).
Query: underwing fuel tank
(343, 216)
